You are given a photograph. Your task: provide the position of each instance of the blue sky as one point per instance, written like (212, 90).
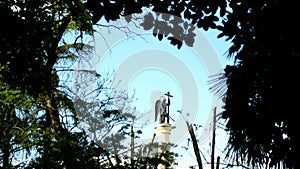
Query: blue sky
(147, 68)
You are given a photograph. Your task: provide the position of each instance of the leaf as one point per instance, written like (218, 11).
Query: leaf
(222, 12)
(179, 45)
(187, 14)
(189, 40)
(149, 17)
(165, 16)
(160, 37)
(128, 18)
(220, 35)
(205, 27)
(215, 18)
(175, 42)
(147, 25)
(185, 25)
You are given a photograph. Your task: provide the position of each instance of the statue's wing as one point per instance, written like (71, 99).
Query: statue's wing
(164, 104)
(157, 108)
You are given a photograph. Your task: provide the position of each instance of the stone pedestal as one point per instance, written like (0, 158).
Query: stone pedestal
(163, 133)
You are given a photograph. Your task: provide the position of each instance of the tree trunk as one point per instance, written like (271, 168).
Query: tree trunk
(60, 132)
(195, 145)
(6, 153)
(53, 114)
(213, 140)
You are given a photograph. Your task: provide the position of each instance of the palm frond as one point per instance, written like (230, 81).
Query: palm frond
(218, 85)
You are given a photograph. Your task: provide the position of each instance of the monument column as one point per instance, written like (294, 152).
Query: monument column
(163, 129)
(163, 132)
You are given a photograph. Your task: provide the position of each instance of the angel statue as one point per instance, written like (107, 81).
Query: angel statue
(160, 109)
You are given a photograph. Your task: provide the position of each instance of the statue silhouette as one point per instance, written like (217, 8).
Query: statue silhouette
(160, 109)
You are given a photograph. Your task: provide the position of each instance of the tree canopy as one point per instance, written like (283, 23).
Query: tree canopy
(261, 90)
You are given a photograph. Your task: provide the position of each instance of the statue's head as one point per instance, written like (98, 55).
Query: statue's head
(163, 99)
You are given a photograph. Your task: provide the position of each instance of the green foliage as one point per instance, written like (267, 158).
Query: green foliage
(259, 111)
(259, 114)
(30, 99)
(39, 112)
(84, 153)
(260, 83)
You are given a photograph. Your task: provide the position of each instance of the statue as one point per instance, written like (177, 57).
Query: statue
(160, 109)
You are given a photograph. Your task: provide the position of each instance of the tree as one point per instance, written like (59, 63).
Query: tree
(262, 37)
(258, 113)
(259, 83)
(38, 114)
(259, 116)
